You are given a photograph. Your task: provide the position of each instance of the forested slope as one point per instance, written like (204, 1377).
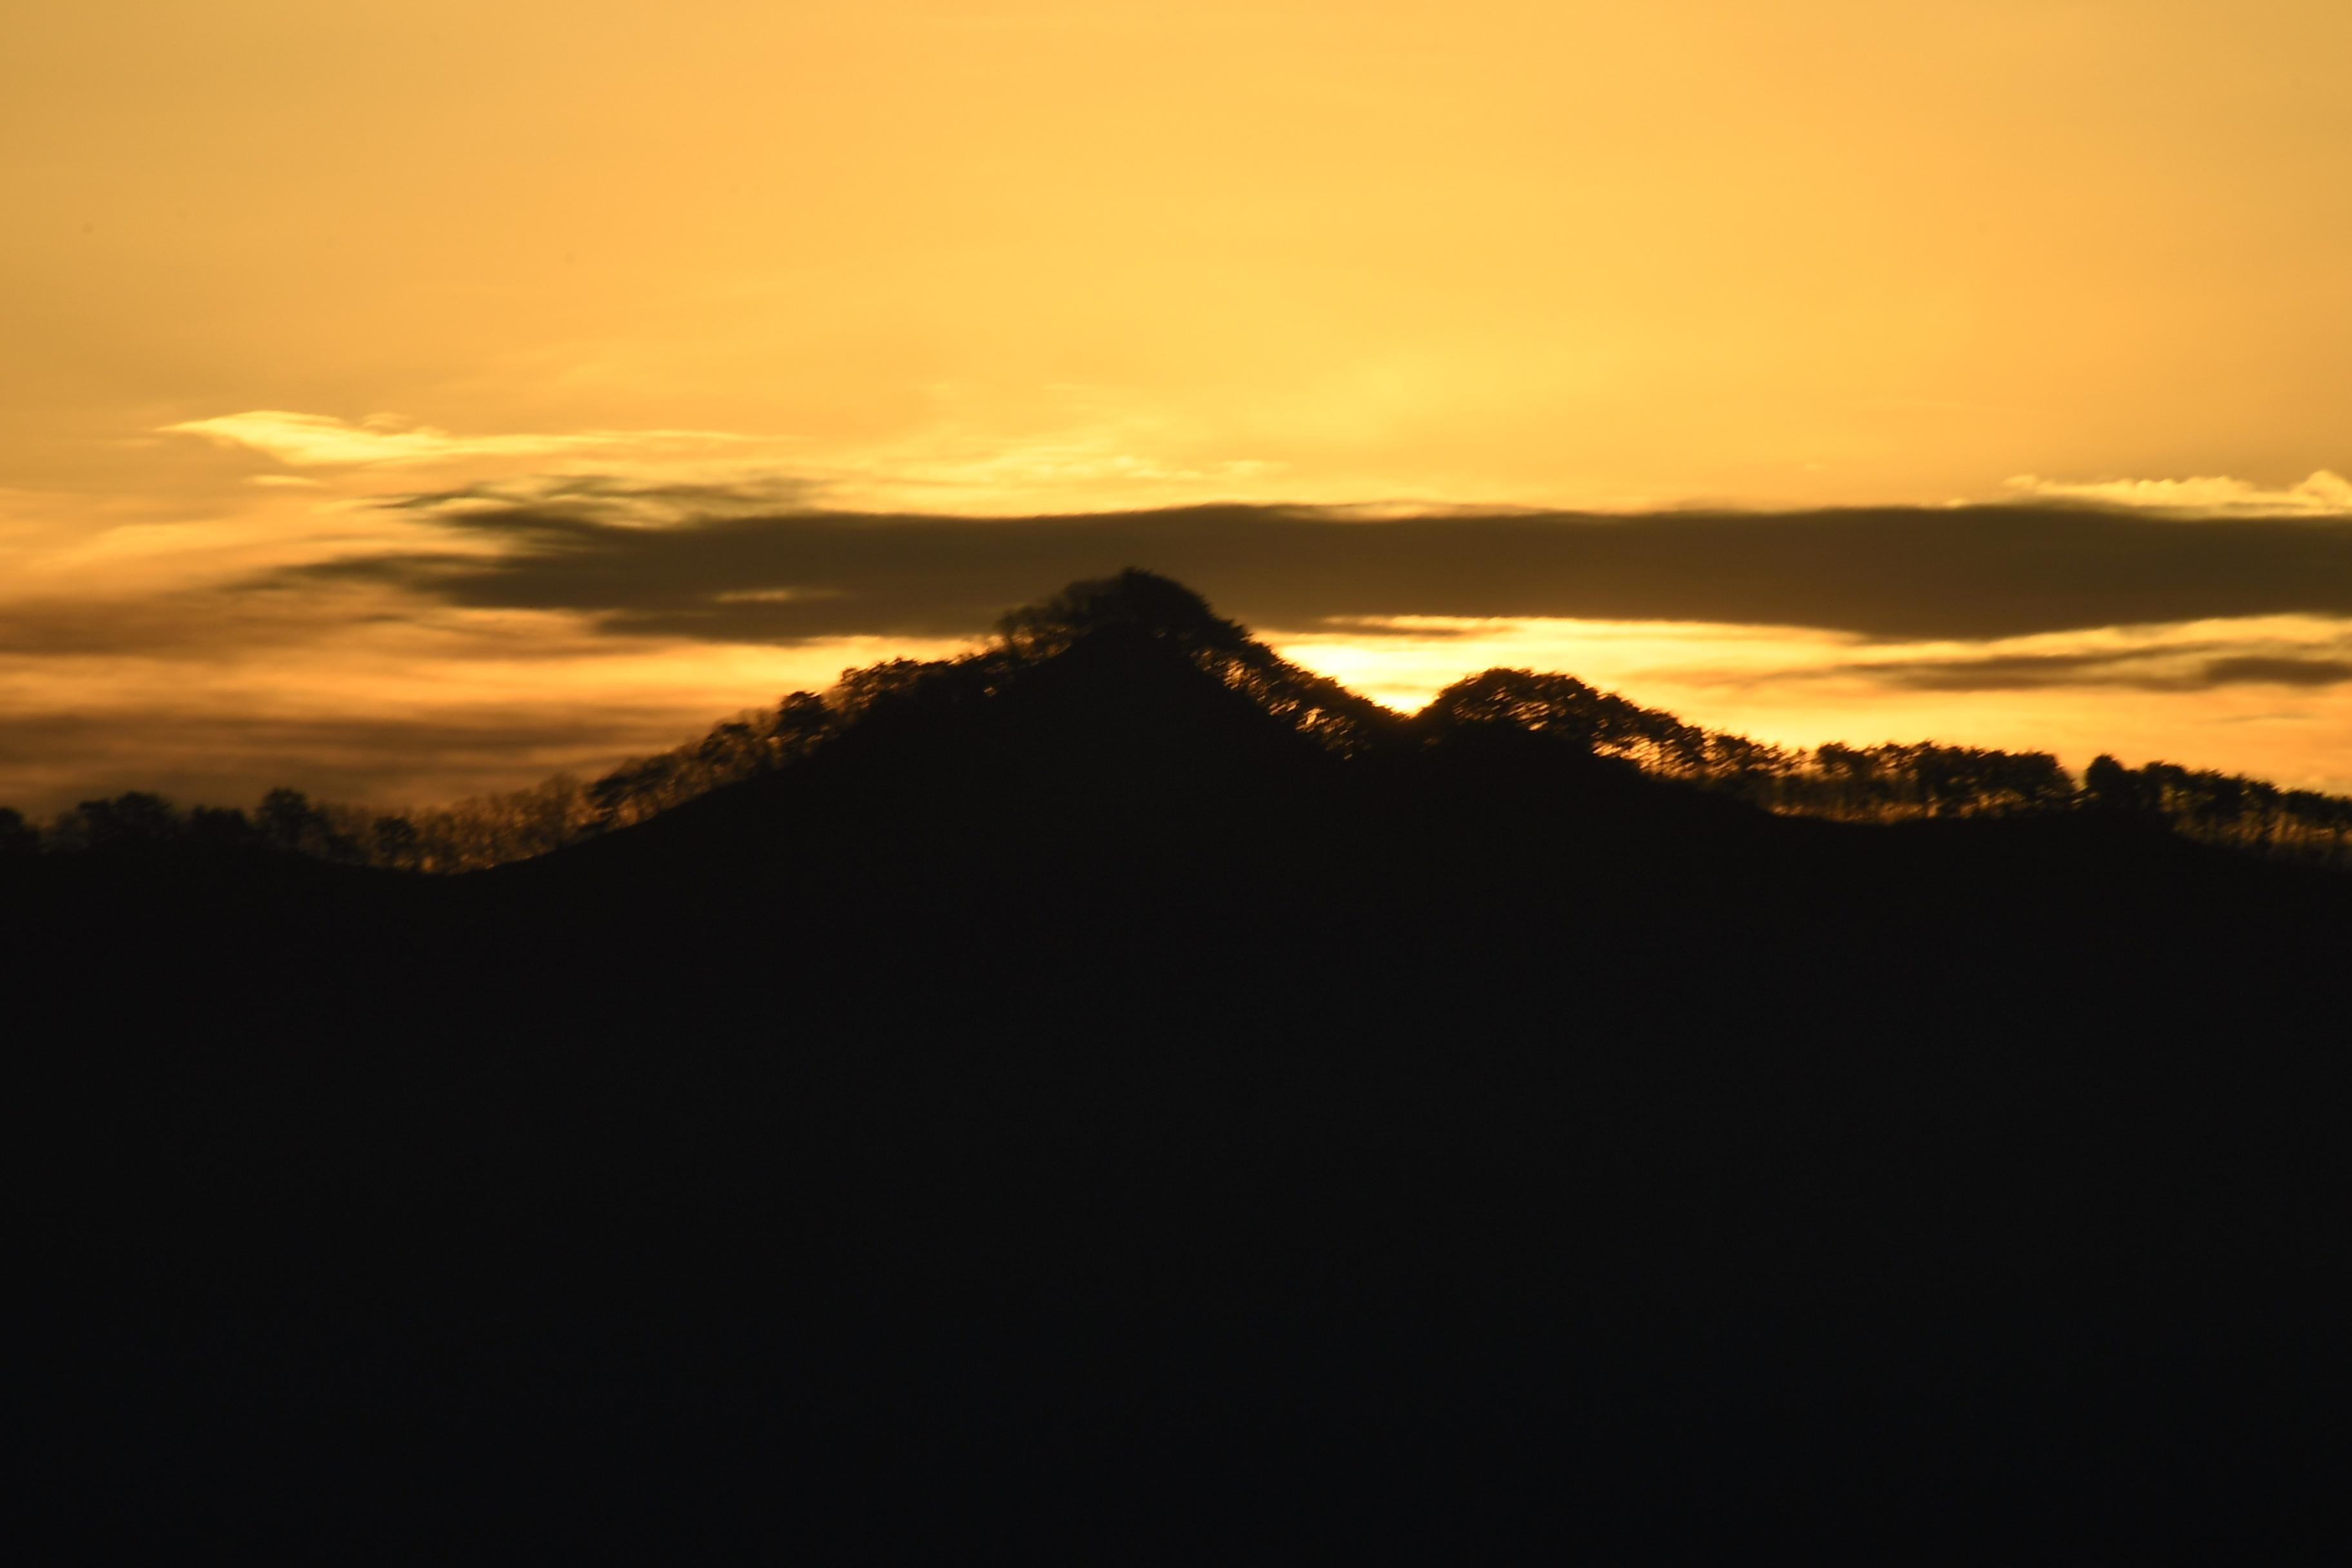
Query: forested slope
(1120, 1099)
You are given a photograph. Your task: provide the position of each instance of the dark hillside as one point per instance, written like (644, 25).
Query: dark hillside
(1116, 1100)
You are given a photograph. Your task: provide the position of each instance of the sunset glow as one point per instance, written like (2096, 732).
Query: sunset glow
(289, 288)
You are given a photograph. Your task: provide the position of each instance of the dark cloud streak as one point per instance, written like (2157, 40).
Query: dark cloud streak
(2256, 668)
(1925, 574)
(2030, 671)
(2159, 668)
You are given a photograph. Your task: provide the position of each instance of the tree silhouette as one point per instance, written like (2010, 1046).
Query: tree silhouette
(135, 819)
(395, 843)
(1134, 599)
(17, 837)
(286, 819)
(220, 827)
(2225, 808)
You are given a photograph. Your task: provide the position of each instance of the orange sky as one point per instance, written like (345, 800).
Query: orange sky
(265, 262)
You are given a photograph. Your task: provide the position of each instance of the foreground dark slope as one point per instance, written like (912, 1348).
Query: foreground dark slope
(1080, 1115)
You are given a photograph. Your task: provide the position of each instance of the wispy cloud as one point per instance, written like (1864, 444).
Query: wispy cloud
(2325, 493)
(564, 505)
(1097, 458)
(382, 440)
(2150, 670)
(1106, 459)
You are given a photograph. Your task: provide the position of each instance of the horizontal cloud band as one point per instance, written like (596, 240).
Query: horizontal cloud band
(2159, 667)
(1974, 572)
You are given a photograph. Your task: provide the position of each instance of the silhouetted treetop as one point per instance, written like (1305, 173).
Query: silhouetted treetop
(136, 818)
(1120, 616)
(2224, 808)
(1135, 600)
(1565, 709)
(1139, 602)
(1923, 779)
(17, 837)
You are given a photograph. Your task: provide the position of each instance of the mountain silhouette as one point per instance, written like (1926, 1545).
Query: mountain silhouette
(1118, 1095)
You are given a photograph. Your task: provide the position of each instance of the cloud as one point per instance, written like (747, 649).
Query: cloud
(1422, 628)
(2154, 670)
(562, 503)
(1104, 460)
(716, 564)
(321, 440)
(194, 624)
(2197, 657)
(2143, 668)
(2258, 669)
(2323, 494)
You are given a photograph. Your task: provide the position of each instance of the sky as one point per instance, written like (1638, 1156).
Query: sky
(401, 403)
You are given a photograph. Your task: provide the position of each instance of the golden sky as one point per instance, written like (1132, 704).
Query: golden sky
(263, 264)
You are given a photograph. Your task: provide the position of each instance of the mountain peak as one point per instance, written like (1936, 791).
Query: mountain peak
(1133, 601)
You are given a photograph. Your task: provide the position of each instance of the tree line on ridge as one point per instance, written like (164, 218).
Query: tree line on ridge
(1893, 782)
